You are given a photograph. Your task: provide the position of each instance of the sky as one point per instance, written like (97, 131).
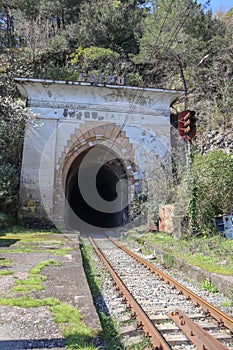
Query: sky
(223, 5)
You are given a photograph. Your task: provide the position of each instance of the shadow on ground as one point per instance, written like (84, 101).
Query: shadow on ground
(32, 344)
(6, 242)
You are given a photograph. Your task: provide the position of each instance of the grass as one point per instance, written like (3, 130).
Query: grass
(227, 303)
(27, 302)
(37, 269)
(33, 281)
(4, 262)
(17, 229)
(5, 272)
(25, 240)
(29, 284)
(208, 286)
(78, 335)
(214, 254)
(30, 241)
(58, 252)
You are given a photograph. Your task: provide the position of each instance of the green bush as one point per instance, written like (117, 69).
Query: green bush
(9, 183)
(134, 79)
(212, 187)
(13, 117)
(95, 58)
(6, 220)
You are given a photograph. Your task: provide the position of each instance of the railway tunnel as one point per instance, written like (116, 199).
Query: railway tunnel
(66, 120)
(97, 173)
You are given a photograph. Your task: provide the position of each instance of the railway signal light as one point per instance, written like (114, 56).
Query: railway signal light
(187, 124)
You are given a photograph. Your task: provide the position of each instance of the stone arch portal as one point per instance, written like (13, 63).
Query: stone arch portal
(103, 155)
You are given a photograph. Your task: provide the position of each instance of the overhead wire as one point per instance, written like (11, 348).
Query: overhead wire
(166, 16)
(178, 27)
(171, 40)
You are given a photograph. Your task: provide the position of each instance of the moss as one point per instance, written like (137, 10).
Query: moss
(78, 335)
(37, 269)
(27, 302)
(33, 281)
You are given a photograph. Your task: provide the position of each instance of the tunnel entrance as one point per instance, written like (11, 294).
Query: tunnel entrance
(97, 166)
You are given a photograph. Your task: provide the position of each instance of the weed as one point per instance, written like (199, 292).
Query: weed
(145, 344)
(18, 250)
(33, 281)
(227, 303)
(140, 240)
(27, 288)
(27, 302)
(37, 269)
(4, 262)
(168, 260)
(214, 254)
(231, 296)
(60, 251)
(208, 286)
(29, 284)
(5, 272)
(77, 333)
(110, 331)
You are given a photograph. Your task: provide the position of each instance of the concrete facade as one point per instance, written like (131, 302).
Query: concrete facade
(128, 127)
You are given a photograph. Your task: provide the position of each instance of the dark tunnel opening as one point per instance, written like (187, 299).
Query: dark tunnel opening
(106, 180)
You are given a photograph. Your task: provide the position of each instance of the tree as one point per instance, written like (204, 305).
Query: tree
(12, 121)
(176, 38)
(7, 24)
(111, 24)
(95, 60)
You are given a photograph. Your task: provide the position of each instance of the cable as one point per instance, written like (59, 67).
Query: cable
(129, 111)
(161, 29)
(178, 27)
(172, 38)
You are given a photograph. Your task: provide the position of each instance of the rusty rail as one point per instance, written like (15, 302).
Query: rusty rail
(209, 309)
(198, 336)
(145, 323)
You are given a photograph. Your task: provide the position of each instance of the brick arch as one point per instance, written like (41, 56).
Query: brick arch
(91, 134)
(83, 138)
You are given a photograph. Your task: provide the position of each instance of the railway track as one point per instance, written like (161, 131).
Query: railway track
(170, 315)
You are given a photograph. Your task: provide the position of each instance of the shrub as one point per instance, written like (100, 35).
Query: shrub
(95, 58)
(212, 187)
(6, 220)
(9, 182)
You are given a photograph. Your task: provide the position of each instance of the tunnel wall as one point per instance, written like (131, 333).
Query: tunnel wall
(68, 118)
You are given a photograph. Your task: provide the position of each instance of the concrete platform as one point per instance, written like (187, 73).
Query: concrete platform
(35, 326)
